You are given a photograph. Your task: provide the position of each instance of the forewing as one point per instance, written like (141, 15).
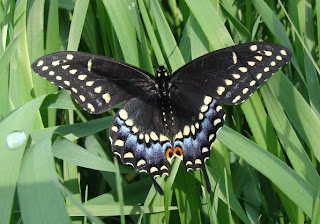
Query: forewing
(138, 137)
(231, 74)
(97, 83)
(197, 120)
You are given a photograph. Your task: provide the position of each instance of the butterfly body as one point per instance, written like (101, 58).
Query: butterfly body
(165, 116)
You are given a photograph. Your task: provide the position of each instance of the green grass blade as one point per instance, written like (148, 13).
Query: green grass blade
(37, 190)
(298, 190)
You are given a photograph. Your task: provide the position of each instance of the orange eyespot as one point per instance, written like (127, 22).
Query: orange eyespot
(169, 153)
(178, 151)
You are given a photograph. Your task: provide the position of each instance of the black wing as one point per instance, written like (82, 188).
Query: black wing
(97, 83)
(139, 138)
(231, 74)
(197, 119)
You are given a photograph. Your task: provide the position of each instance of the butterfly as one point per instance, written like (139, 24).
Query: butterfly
(165, 116)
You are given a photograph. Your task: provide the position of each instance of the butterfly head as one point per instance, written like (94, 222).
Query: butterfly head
(162, 72)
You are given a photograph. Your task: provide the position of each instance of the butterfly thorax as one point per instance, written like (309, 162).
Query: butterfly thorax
(163, 80)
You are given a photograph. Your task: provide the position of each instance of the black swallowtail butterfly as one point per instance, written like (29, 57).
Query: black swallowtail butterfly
(165, 116)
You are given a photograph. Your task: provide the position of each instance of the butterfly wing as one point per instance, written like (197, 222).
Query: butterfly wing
(197, 120)
(97, 83)
(231, 74)
(139, 138)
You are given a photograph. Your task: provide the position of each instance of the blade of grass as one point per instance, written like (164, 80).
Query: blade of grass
(36, 188)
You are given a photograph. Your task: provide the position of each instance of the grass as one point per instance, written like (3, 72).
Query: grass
(264, 167)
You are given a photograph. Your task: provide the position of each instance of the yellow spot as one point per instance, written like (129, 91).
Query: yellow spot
(154, 136)
(273, 63)
(204, 108)
(73, 71)
(163, 138)
(135, 129)
(253, 47)
(259, 75)
(200, 116)
(128, 155)
(58, 78)
(216, 121)
(82, 77)
(114, 128)
(205, 149)
(283, 52)
(266, 69)
(179, 135)
(243, 69)
(91, 108)
(106, 97)
(218, 108)
(197, 161)
(55, 63)
(40, 63)
(252, 83)
(193, 129)
(197, 125)
(236, 76)
(89, 83)
(268, 53)
(234, 58)
(211, 137)
(207, 100)
(98, 89)
(69, 56)
(51, 73)
(89, 65)
(141, 136)
(251, 63)
(141, 162)
(279, 58)
(74, 89)
(129, 122)
(237, 98)
(186, 130)
(44, 68)
(259, 58)
(164, 167)
(188, 163)
(220, 90)
(65, 67)
(123, 114)
(82, 98)
(228, 82)
(67, 83)
(153, 169)
(119, 143)
(147, 138)
(245, 90)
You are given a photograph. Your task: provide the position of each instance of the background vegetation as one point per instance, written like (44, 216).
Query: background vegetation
(263, 168)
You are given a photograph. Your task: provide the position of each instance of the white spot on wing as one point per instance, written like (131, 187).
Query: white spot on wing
(91, 107)
(106, 97)
(73, 71)
(207, 100)
(40, 63)
(65, 67)
(283, 52)
(253, 47)
(123, 114)
(259, 58)
(90, 65)
(243, 69)
(44, 68)
(234, 58)
(128, 155)
(89, 83)
(82, 77)
(220, 90)
(236, 76)
(119, 143)
(98, 89)
(69, 56)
